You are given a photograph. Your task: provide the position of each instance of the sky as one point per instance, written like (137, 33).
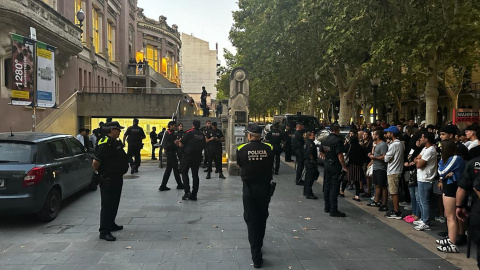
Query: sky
(209, 20)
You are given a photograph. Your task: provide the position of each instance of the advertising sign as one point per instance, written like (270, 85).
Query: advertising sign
(23, 59)
(46, 75)
(466, 116)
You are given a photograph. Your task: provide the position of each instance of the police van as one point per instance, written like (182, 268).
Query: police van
(310, 121)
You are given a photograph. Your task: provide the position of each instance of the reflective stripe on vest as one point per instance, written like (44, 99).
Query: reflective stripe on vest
(241, 146)
(103, 140)
(271, 146)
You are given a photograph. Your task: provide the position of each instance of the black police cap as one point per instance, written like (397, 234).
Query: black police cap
(113, 125)
(254, 129)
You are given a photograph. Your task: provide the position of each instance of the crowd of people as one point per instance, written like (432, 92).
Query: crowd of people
(417, 166)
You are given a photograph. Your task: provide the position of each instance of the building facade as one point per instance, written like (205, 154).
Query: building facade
(199, 67)
(92, 56)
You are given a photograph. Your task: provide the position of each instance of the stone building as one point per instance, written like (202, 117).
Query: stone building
(199, 67)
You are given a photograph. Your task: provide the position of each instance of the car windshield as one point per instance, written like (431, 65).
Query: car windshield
(16, 152)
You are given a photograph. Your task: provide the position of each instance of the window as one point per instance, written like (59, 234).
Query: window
(152, 57)
(80, 81)
(59, 149)
(75, 146)
(169, 65)
(96, 30)
(111, 41)
(8, 72)
(17, 152)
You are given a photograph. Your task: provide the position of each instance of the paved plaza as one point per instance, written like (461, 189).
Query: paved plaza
(163, 232)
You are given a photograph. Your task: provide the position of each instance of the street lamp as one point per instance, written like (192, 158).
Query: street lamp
(280, 104)
(375, 83)
(80, 18)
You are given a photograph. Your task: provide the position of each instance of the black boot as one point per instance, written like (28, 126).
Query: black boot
(208, 175)
(221, 176)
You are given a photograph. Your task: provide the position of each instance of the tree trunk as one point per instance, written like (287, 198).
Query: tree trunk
(431, 91)
(313, 98)
(366, 112)
(345, 113)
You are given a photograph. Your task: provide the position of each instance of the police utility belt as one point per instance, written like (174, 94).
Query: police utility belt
(273, 185)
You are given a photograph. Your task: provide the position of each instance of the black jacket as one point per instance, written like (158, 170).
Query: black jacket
(256, 161)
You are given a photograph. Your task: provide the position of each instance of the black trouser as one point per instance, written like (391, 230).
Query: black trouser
(288, 152)
(153, 151)
(215, 154)
(311, 175)
(180, 154)
(134, 152)
(277, 150)
(110, 192)
(206, 155)
(331, 186)
(172, 164)
(300, 164)
(191, 160)
(256, 198)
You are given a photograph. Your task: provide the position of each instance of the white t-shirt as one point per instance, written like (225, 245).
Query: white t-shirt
(472, 144)
(80, 138)
(427, 173)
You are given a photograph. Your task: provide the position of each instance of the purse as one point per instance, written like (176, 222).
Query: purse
(412, 181)
(369, 171)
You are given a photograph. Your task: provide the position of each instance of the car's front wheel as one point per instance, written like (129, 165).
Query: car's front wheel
(51, 206)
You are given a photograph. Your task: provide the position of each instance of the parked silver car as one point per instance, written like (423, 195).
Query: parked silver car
(39, 170)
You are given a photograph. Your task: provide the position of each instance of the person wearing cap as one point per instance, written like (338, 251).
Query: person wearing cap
(170, 145)
(332, 151)
(469, 184)
(275, 137)
(394, 158)
(255, 160)
(471, 132)
(193, 143)
(134, 136)
(297, 145)
(214, 138)
(110, 163)
(288, 143)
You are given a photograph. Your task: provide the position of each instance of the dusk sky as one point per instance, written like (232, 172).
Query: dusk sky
(209, 20)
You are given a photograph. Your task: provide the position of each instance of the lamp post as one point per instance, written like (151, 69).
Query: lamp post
(80, 17)
(280, 104)
(375, 83)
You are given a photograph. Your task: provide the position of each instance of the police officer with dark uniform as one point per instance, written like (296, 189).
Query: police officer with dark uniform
(311, 156)
(288, 143)
(470, 184)
(275, 137)
(193, 143)
(179, 133)
(214, 138)
(205, 129)
(110, 163)
(332, 151)
(134, 136)
(170, 145)
(255, 160)
(297, 145)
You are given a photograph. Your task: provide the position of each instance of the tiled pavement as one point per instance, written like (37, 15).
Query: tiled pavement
(163, 232)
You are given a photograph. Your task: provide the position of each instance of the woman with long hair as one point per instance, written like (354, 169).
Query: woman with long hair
(367, 148)
(450, 169)
(414, 149)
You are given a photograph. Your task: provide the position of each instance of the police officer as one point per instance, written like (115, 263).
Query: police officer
(205, 129)
(470, 184)
(332, 152)
(153, 141)
(214, 138)
(110, 163)
(255, 160)
(297, 145)
(311, 155)
(193, 143)
(170, 142)
(179, 133)
(275, 138)
(288, 143)
(134, 136)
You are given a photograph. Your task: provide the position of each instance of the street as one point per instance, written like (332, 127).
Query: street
(163, 232)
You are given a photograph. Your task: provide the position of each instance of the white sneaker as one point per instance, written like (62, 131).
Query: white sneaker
(408, 208)
(423, 227)
(440, 219)
(418, 222)
(404, 204)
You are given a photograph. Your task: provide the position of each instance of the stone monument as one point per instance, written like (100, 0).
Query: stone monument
(237, 116)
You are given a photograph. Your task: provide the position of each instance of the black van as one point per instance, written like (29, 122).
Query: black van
(310, 121)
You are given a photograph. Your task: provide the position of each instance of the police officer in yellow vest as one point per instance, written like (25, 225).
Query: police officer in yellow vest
(110, 163)
(255, 160)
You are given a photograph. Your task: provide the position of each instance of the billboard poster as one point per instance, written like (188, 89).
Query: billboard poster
(467, 116)
(23, 60)
(46, 90)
